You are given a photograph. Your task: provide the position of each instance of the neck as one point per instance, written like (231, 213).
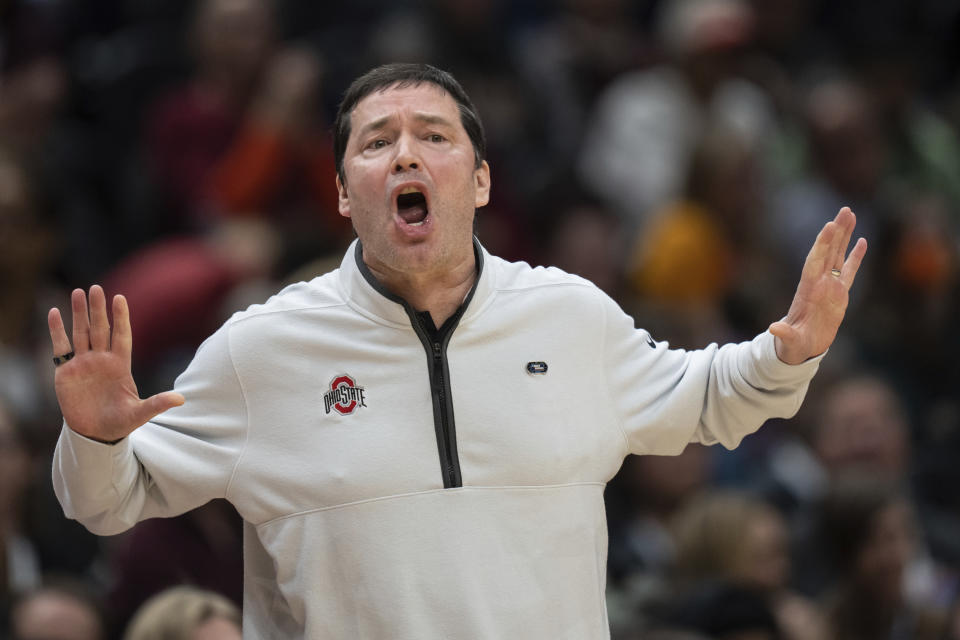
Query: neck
(439, 293)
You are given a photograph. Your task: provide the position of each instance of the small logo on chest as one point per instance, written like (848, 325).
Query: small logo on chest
(344, 396)
(536, 368)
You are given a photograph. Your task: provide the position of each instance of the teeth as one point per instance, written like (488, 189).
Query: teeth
(415, 224)
(409, 190)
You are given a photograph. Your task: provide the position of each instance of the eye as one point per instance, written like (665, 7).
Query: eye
(436, 137)
(379, 143)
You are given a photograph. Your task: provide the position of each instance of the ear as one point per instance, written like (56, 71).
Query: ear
(481, 179)
(343, 200)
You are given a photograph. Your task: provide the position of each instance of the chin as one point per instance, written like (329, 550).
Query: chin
(421, 256)
(404, 255)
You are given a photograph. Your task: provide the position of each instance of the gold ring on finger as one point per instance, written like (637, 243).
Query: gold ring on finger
(59, 360)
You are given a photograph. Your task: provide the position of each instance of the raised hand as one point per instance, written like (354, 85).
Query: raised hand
(95, 388)
(821, 299)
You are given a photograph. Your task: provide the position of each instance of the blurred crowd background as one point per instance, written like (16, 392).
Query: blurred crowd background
(681, 154)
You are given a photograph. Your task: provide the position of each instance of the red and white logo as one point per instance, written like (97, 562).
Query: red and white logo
(344, 396)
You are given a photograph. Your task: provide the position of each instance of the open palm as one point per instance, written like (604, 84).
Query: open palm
(95, 389)
(821, 299)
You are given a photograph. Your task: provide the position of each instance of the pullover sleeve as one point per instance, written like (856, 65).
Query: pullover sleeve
(666, 398)
(182, 459)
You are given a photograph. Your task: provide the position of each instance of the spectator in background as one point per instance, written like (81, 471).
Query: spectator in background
(185, 613)
(647, 124)
(582, 236)
(32, 77)
(62, 610)
(687, 253)
(32, 95)
(568, 60)
(854, 421)
(916, 295)
(924, 150)
(848, 158)
(19, 564)
(699, 261)
(869, 531)
(232, 41)
(641, 501)
(28, 251)
(863, 428)
(735, 539)
(245, 136)
(279, 167)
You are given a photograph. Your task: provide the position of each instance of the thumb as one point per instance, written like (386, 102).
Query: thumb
(157, 404)
(782, 330)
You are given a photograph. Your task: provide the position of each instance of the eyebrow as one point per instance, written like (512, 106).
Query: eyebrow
(426, 118)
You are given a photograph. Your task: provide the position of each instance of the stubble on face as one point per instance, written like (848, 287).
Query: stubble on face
(412, 137)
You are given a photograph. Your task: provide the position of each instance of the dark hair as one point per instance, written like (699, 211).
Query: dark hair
(848, 514)
(402, 75)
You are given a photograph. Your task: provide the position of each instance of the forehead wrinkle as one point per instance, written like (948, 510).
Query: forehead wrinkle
(420, 116)
(432, 118)
(379, 123)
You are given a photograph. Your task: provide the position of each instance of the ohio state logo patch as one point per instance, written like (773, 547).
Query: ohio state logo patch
(344, 396)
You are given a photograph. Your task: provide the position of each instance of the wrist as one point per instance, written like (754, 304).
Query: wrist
(784, 354)
(102, 441)
(90, 437)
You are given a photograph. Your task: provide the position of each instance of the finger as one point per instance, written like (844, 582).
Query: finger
(121, 341)
(852, 264)
(819, 259)
(845, 217)
(155, 405)
(846, 221)
(99, 324)
(58, 334)
(81, 322)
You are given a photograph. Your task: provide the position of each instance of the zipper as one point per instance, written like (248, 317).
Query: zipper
(440, 392)
(451, 470)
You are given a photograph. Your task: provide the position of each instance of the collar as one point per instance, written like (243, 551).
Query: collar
(369, 297)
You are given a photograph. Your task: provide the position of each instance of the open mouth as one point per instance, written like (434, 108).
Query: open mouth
(412, 207)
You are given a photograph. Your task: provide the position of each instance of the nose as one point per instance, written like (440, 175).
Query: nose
(406, 157)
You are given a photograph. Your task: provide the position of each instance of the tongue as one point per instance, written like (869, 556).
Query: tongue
(413, 214)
